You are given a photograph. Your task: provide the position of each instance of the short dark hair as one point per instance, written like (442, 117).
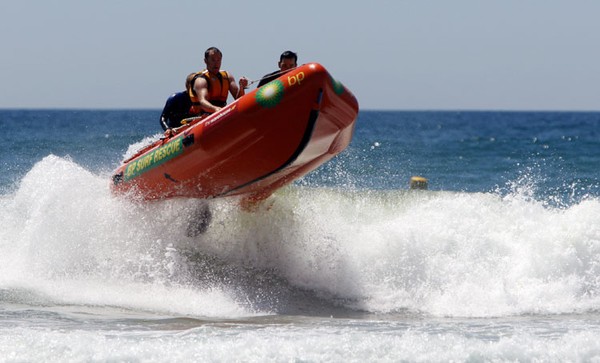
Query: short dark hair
(207, 52)
(289, 54)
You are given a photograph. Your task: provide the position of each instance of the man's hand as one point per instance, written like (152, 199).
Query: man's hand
(243, 82)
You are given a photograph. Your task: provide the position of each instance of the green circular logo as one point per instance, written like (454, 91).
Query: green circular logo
(338, 87)
(270, 94)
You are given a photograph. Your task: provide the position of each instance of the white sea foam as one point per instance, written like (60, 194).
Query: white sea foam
(438, 253)
(258, 343)
(135, 147)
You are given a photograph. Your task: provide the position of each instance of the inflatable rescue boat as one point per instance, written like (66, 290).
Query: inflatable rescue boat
(250, 148)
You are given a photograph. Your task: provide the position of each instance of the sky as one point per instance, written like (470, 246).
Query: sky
(393, 55)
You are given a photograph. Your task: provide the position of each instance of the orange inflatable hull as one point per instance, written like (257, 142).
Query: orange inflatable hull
(257, 144)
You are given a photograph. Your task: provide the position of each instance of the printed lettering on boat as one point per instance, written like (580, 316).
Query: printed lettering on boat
(221, 115)
(155, 158)
(296, 79)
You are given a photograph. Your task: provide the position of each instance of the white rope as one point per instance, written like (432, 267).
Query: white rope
(279, 73)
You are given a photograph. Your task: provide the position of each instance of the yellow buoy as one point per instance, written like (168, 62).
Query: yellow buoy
(418, 182)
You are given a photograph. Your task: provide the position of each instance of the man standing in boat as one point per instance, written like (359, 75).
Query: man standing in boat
(211, 87)
(288, 60)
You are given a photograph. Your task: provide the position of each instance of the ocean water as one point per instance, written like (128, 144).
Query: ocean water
(499, 260)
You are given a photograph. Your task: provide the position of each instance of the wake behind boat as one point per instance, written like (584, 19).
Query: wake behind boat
(257, 144)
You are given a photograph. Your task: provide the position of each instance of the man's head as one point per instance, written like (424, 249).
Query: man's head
(288, 60)
(212, 58)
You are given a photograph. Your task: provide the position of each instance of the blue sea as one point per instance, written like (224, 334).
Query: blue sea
(498, 260)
